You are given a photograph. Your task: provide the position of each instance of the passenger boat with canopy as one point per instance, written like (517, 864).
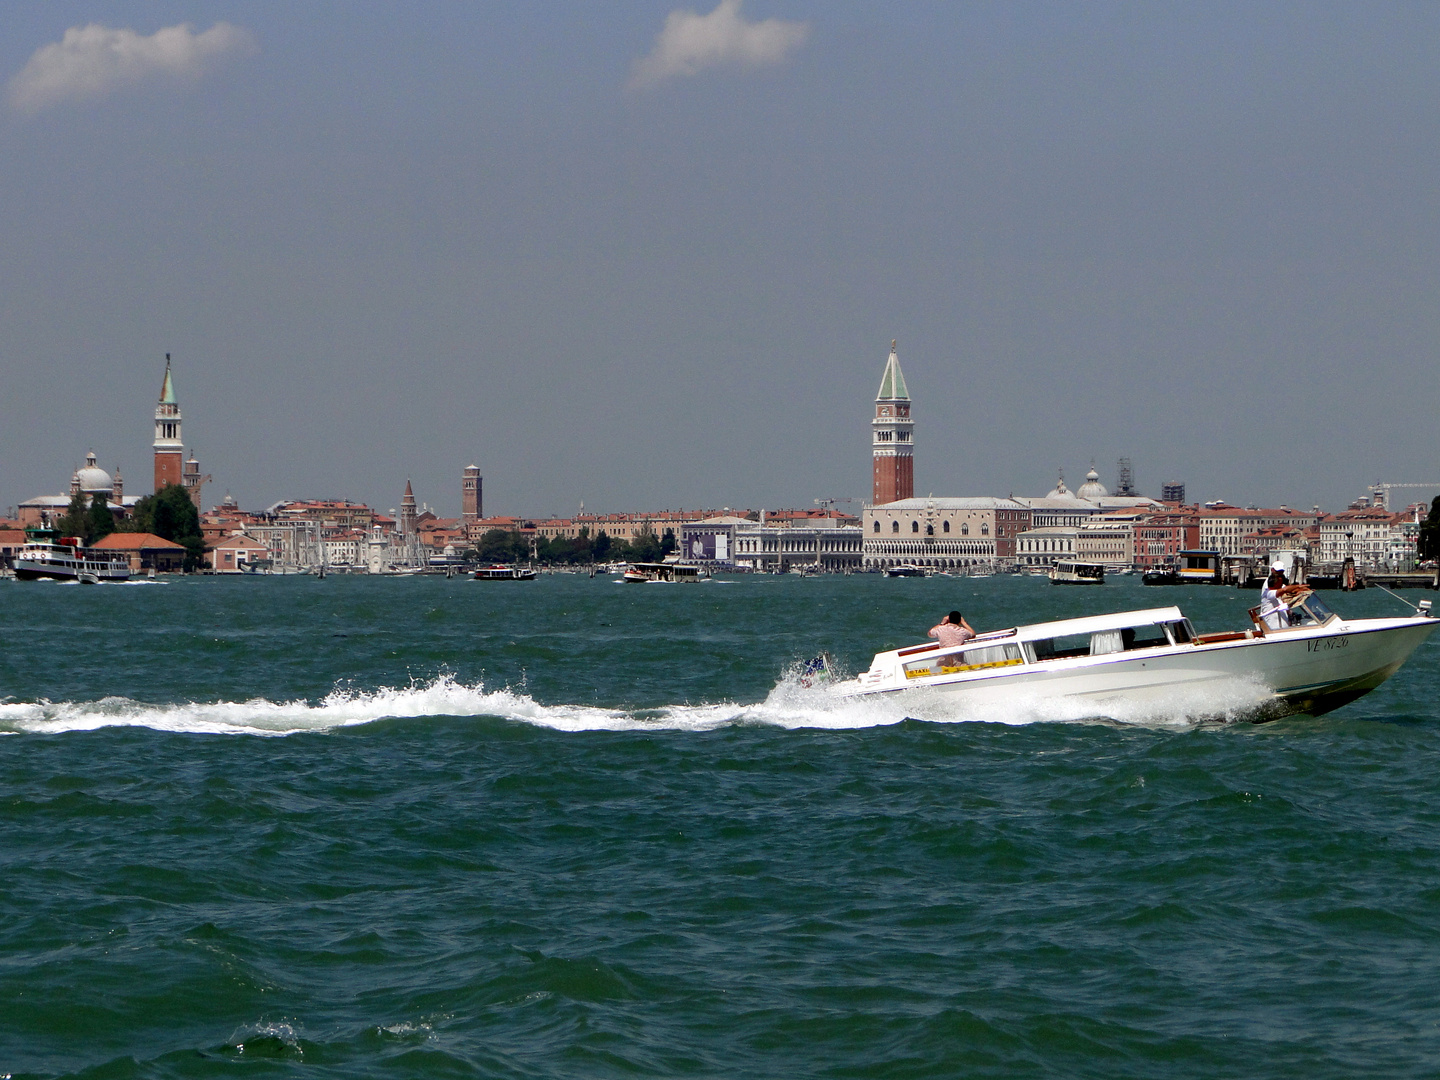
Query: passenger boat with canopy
(671, 570)
(47, 554)
(1317, 663)
(500, 572)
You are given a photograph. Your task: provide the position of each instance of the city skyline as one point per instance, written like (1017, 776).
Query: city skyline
(609, 266)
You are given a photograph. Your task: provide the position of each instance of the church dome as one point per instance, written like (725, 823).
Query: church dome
(1060, 491)
(1092, 488)
(94, 480)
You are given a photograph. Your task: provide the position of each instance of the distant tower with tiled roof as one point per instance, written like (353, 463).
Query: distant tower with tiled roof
(891, 434)
(169, 449)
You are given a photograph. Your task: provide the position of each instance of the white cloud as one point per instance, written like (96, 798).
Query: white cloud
(690, 43)
(93, 61)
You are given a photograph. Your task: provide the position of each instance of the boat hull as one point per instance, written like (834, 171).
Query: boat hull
(37, 570)
(1311, 672)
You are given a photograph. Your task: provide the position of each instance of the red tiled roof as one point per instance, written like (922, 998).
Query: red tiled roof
(136, 542)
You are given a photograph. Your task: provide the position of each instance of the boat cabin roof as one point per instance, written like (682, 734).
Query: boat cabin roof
(1094, 624)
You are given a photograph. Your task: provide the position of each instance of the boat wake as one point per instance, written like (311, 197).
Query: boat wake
(790, 704)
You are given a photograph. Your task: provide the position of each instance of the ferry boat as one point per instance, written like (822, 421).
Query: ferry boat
(1077, 573)
(47, 554)
(1319, 662)
(1198, 567)
(499, 572)
(670, 570)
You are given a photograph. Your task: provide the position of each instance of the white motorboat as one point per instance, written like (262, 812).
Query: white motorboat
(47, 554)
(1135, 658)
(906, 570)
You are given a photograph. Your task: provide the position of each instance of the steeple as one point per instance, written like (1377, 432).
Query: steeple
(167, 388)
(891, 448)
(169, 448)
(892, 384)
(407, 513)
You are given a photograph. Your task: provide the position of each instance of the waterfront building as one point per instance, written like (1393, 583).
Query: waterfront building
(626, 527)
(891, 436)
(145, 552)
(940, 533)
(233, 554)
(1223, 527)
(1370, 536)
(825, 543)
(1159, 538)
(327, 513)
(11, 541)
(1260, 545)
(1108, 540)
(1060, 508)
(88, 481)
(1043, 546)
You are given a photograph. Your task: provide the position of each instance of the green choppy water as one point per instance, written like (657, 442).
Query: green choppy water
(418, 827)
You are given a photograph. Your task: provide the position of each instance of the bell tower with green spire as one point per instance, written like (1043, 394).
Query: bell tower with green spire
(890, 436)
(169, 449)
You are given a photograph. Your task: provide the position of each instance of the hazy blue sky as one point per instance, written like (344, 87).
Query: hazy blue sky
(389, 240)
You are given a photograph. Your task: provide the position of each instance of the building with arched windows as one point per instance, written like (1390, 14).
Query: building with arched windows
(942, 534)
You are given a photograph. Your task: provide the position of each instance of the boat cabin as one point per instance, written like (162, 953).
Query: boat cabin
(1066, 572)
(1198, 566)
(1095, 635)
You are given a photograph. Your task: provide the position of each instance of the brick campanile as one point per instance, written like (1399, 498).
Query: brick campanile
(169, 449)
(472, 497)
(890, 436)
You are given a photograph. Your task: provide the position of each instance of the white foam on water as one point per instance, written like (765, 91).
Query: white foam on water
(790, 705)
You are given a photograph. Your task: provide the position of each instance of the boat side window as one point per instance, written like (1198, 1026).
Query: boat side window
(1059, 648)
(952, 663)
(1181, 630)
(1144, 637)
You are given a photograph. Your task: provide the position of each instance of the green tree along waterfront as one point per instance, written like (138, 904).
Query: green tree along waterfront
(73, 521)
(502, 546)
(171, 515)
(1429, 539)
(99, 521)
(91, 522)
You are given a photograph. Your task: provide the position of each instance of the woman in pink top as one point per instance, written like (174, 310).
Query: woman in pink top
(953, 630)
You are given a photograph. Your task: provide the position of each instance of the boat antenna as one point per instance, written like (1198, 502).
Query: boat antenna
(1422, 608)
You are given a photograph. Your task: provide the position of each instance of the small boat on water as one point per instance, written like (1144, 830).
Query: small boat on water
(1077, 573)
(499, 572)
(905, 570)
(671, 570)
(1319, 662)
(47, 554)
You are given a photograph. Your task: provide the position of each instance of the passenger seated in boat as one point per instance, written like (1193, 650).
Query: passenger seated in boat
(952, 630)
(1275, 598)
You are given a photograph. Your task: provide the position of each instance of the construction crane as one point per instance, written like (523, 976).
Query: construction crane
(1380, 493)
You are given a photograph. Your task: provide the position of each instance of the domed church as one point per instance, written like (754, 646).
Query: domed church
(88, 481)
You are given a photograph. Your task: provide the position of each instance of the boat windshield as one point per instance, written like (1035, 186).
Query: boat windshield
(1312, 611)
